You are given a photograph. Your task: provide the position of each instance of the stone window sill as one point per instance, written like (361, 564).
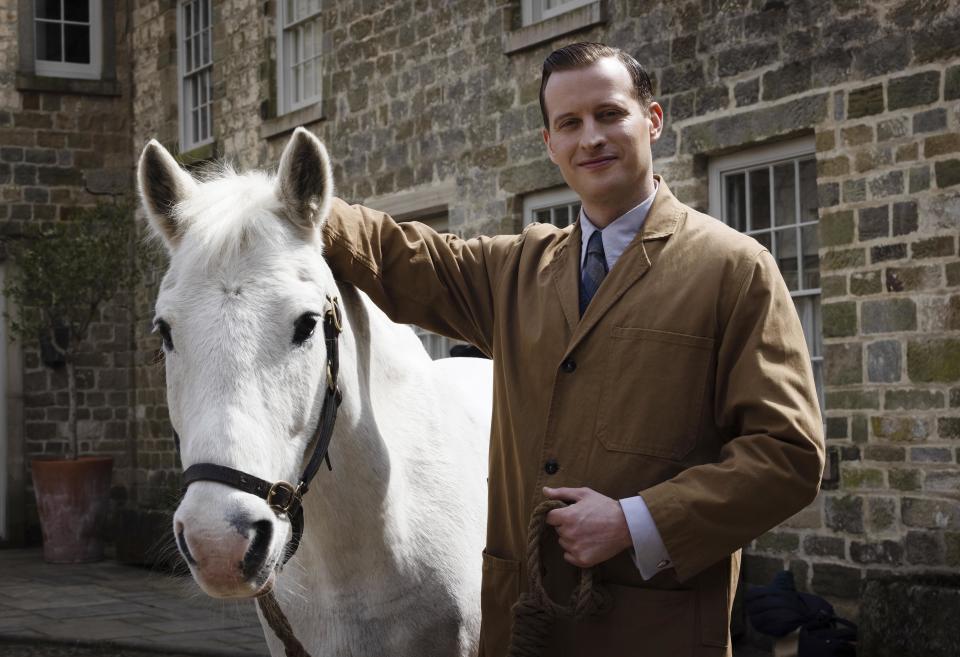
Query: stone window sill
(31, 82)
(548, 30)
(291, 120)
(198, 155)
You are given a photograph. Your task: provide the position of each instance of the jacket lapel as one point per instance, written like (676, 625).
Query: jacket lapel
(661, 222)
(566, 278)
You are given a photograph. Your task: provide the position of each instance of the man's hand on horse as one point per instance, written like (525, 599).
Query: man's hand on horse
(592, 528)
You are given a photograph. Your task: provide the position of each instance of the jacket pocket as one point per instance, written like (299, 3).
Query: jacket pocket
(654, 391)
(498, 592)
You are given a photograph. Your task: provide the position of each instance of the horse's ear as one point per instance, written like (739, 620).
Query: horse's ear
(163, 184)
(305, 181)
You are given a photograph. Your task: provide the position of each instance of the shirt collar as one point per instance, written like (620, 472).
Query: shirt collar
(619, 233)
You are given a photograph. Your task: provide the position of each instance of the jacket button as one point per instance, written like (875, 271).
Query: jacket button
(569, 365)
(551, 467)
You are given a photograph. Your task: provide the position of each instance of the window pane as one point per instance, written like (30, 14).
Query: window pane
(195, 126)
(764, 239)
(542, 216)
(811, 259)
(77, 38)
(195, 9)
(48, 9)
(808, 310)
(561, 216)
(784, 194)
(205, 14)
(188, 53)
(808, 190)
(297, 83)
(77, 10)
(759, 199)
(206, 47)
(785, 250)
(309, 80)
(187, 22)
(48, 42)
(734, 208)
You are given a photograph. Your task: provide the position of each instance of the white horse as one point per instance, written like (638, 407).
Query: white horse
(390, 560)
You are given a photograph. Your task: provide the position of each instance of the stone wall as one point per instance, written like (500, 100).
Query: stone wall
(421, 94)
(63, 149)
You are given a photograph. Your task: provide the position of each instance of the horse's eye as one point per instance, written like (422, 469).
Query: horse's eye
(161, 327)
(303, 328)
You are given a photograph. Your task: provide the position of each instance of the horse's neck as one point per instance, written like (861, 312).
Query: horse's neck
(353, 523)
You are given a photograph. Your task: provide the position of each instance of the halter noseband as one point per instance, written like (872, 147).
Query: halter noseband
(284, 498)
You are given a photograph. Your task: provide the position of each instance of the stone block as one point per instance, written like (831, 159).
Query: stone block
(836, 580)
(758, 569)
(907, 152)
(888, 316)
(839, 319)
(792, 78)
(924, 548)
(933, 360)
(881, 513)
(900, 429)
(919, 179)
(835, 286)
(912, 90)
(777, 541)
(947, 172)
(912, 399)
(826, 140)
(853, 399)
(931, 455)
(952, 544)
(941, 144)
(930, 602)
(852, 477)
(888, 54)
(837, 427)
(854, 191)
(843, 364)
(836, 228)
(745, 58)
(753, 126)
(888, 184)
(884, 453)
(937, 39)
(864, 283)
(944, 481)
(872, 158)
(865, 101)
(949, 427)
(873, 222)
(904, 479)
(828, 194)
(857, 135)
(682, 77)
(893, 128)
(888, 252)
(913, 278)
(712, 99)
(954, 397)
(951, 83)
(843, 259)
(844, 513)
(888, 553)
(930, 121)
(747, 92)
(824, 546)
(833, 167)
(905, 218)
(928, 513)
(934, 247)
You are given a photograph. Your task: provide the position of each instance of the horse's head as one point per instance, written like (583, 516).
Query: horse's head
(240, 312)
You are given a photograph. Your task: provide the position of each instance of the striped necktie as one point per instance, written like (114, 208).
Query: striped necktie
(594, 270)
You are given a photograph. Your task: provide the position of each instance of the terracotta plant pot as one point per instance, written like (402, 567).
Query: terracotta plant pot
(72, 499)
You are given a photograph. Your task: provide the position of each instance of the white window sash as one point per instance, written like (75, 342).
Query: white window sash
(547, 199)
(91, 71)
(291, 88)
(195, 76)
(563, 8)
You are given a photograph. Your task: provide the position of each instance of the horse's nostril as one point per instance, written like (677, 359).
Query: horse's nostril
(182, 544)
(257, 553)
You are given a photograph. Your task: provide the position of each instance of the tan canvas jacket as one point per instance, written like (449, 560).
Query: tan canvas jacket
(687, 381)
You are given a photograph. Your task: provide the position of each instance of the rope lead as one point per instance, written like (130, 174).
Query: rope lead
(535, 613)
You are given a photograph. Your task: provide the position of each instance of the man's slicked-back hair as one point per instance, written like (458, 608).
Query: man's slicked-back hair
(581, 55)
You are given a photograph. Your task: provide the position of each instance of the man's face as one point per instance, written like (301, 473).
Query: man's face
(600, 136)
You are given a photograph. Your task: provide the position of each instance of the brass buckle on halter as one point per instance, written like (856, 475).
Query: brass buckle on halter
(334, 312)
(282, 496)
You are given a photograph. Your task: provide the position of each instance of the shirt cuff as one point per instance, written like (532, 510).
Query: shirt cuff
(649, 552)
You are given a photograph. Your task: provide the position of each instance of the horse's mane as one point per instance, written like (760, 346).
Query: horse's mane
(229, 211)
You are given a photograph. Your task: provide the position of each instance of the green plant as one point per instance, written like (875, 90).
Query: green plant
(64, 275)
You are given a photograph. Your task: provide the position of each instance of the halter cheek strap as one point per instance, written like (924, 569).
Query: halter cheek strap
(284, 498)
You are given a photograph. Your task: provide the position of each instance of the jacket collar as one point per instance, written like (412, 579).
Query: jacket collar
(662, 221)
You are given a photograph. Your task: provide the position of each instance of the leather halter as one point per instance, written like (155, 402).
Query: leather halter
(284, 498)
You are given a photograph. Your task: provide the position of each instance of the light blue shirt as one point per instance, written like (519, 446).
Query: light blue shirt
(649, 552)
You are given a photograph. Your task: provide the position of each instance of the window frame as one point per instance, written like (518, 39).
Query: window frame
(533, 11)
(770, 155)
(183, 106)
(285, 102)
(547, 199)
(90, 71)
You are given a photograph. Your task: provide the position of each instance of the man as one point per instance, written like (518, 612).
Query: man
(649, 369)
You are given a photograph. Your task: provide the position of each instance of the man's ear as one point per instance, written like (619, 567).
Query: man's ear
(163, 184)
(655, 114)
(546, 140)
(305, 180)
